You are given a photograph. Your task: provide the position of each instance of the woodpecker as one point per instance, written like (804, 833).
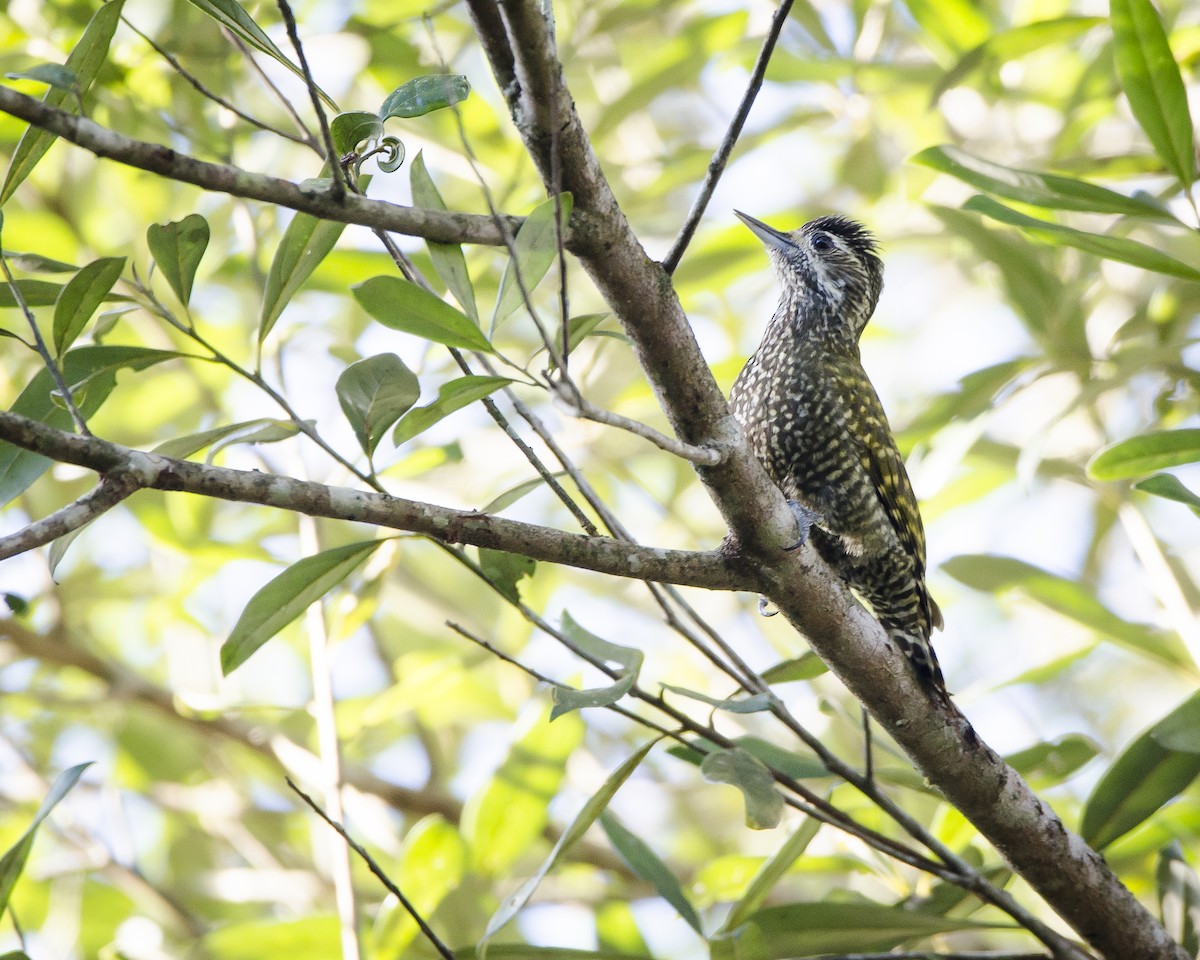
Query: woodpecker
(815, 422)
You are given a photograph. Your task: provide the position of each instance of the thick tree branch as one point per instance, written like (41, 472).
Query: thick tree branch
(436, 225)
(1071, 877)
(600, 554)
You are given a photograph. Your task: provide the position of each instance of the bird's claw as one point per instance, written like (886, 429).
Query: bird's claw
(805, 518)
(763, 603)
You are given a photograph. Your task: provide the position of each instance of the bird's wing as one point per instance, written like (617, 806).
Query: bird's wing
(884, 465)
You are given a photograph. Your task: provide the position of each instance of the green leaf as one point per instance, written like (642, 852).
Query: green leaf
(955, 24)
(1037, 189)
(52, 74)
(177, 248)
(647, 865)
(422, 95)
(448, 259)
(36, 263)
(1054, 760)
(451, 396)
(246, 431)
(85, 62)
(1145, 454)
(91, 372)
(1148, 774)
(374, 393)
(348, 130)
(1112, 248)
(308, 938)
(81, 297)
(505, 571)
(735, 704)
(411, 309)
(1069, 598)
(804, 667)
(506, 818)
(810, 929)
(1013, 44)
(578, 329)
(1179, 898)
(35, 293)
(596, 805)
(770, 873)
(287, 596)
(536, 248)
(628, 659)
(230, 15)
(1150, 77)
(13, 861)
(790, 764)
(741, 769)
(306, 242)
(266, 430)
(1169, 488)
(513, 494)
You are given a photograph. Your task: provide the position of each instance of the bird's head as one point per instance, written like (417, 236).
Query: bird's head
(829, 268)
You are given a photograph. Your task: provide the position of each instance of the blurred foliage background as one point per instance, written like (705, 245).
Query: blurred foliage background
(1007, 355)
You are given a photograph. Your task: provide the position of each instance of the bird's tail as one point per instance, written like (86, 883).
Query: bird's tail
(919, 652)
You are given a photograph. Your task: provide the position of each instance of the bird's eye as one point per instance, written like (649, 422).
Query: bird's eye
(821, 243)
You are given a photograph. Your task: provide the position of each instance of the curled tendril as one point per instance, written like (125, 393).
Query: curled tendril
(392, 154)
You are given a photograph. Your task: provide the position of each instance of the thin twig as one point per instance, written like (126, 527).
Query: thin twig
(556, 190)
(331, 155)
(583, 408)
(804, 799)
(374, 867)
(56, 374)
(284, 101)
(255, 377)
(508, 235)
(205, 91)
(585, 522)
(716, 166)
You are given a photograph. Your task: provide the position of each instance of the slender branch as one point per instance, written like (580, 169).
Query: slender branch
(56, 373)
(204, 91)
(580, 406)
(270, 84)
(601, 554)
(436, 225)
(113, 487)
(331, 154)
(716, 166)
(377, 870)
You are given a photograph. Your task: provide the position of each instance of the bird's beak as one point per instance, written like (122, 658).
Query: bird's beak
(768, 235)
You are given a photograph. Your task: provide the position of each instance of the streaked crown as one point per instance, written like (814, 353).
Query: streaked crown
(829, 269)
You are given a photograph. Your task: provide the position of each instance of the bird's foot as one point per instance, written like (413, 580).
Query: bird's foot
(805, 518)
(764, 608)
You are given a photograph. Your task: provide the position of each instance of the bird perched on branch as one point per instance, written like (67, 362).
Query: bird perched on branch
(815, 422)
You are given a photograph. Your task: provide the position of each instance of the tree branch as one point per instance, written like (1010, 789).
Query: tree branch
(436, 225)
(709, 569)
(114, 487)
(1071, 877)
(716, 166)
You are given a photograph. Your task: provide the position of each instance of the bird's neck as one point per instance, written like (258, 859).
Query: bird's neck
(812, 326)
